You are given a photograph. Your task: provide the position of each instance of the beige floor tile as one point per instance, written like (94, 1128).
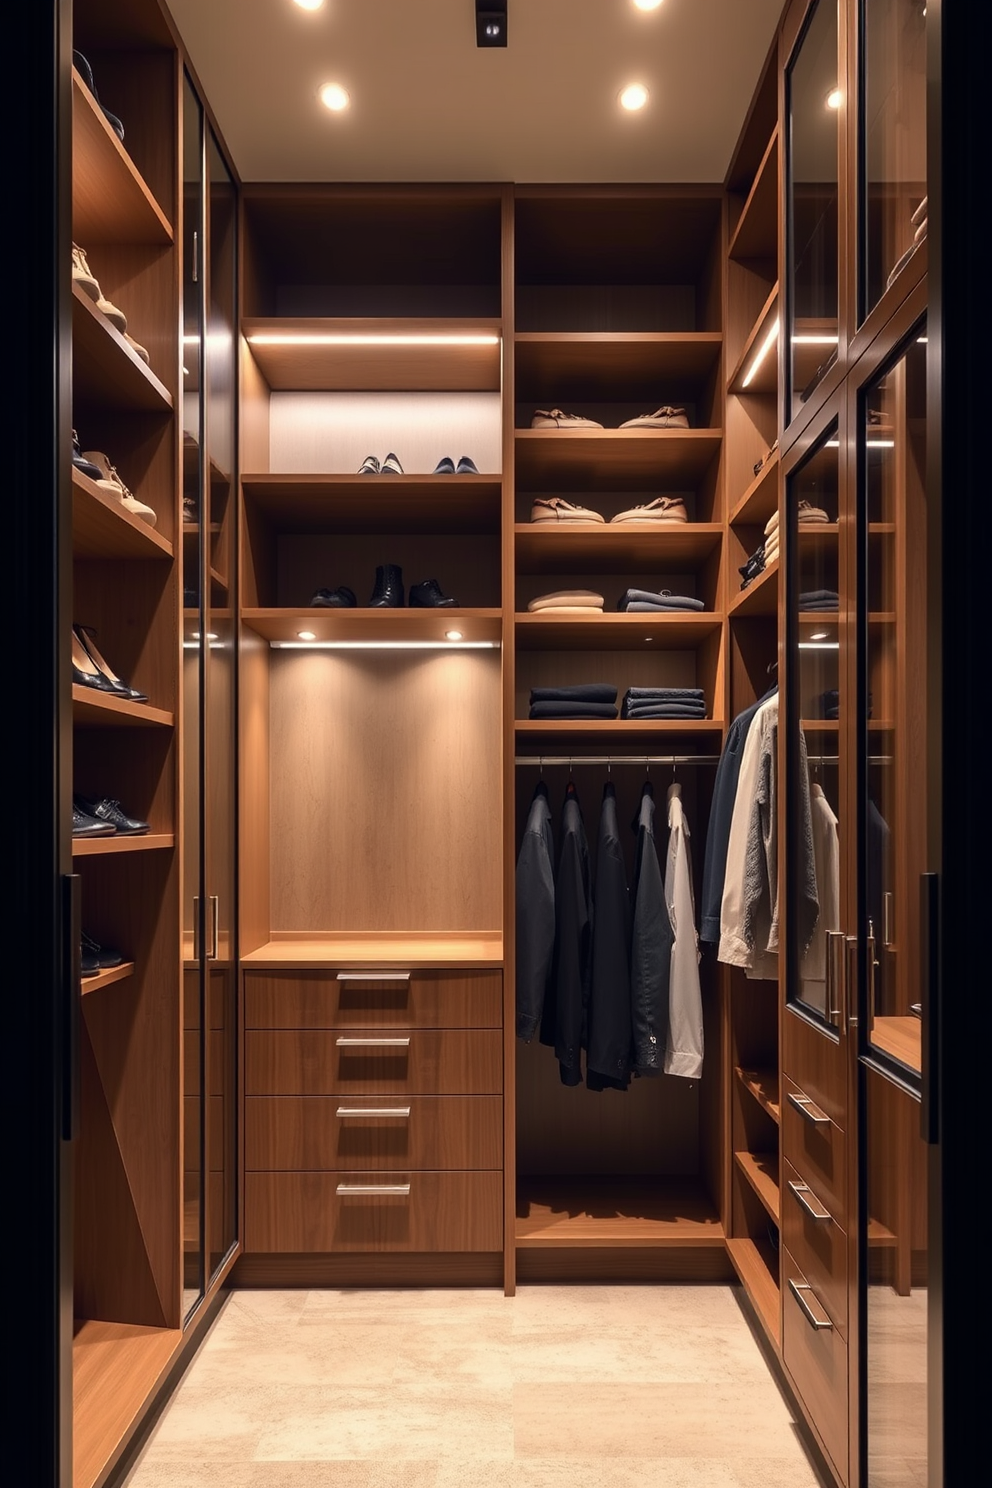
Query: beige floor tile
(788, 1471)
(400, 1422)
(189, 1472)
(642, 1353)
(342, 1475)
(601, 1472)
(439, 1303)
(617, 1307)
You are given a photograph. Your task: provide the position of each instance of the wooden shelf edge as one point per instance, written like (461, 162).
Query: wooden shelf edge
(750, 1261)
(746, 603)
(389, 949)
(767, 312)
(368, 484)
(766, 1188)
(756, 185)
(86, 847)
(139, 534)
(116, 1368)
(740, 514)
(123, 160)
(757, 1083)
(107, 978)
(108, 710)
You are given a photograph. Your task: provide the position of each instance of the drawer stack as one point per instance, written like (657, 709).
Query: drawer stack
(373, 1111)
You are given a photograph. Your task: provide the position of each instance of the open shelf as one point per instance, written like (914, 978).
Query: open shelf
(761, 1171)
(756, 1263)
(115, 1368)
(92, 709)
(764, 377)
(590, 1212)
(88, 847)
(382, 949)
(756, 233)
(761, 595)
(761, 497)
(763, 1085)
(562, 548)
(107, 977)
(110, 201)
(558, 365)
(282, 627)
(380, 362)
(102, 528)
(369, 503)
(615, 631)
(103, 363)
(679, 735)
(618, 459)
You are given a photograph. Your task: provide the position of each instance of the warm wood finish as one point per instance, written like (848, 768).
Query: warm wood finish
(84, 847)
(901, 1037)
(817, 1361)
(310, 1062)
(819, 1247)
(671, 1265)
(613, 632)
(677, 735)
(806, 1048)
(287, 1133)
(761, 497)
(110, 201)
(385, 949)
(463, 1268)
(299, 1212)
(757, 1266)
(429, 999)
(617, 459)
(761, 1171)
(92, 709)
(106, 364)
(554, 366)
(396, 503)
(101, 528)
(764, 378)
(818, 1152)
(375, 625)
(764, 1086)
(115, 1367)
(761, 595)
(756, 233)
(592, 1212)
(668, 547)
(385, 366)
(106, 977)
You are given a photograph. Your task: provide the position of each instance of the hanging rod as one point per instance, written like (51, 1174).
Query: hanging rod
(617, 759)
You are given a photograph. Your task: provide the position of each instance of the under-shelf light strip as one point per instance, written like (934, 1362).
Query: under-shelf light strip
(763, 351)
(384, 645)
(320, 338)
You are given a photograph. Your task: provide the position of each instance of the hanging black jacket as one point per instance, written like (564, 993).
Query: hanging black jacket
(564, 1022)
(535, 896)
(650, 947)
(608, 1045)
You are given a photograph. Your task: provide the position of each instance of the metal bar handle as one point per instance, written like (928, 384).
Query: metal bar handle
(799, 1289)
(196, 927)
(373, 1188)
(373, 1043)
(888, 918)
(401, 1112)
(835, 976)
(805, 1196)
(214, 951)
(809, 1110)
(373, 976)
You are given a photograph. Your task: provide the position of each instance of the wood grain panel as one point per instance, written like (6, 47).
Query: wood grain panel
(102, 528)
(102, 360)
(385, 813)
(308, 364)
(819, 1248)
(398, 952)
(621, 459)
(463, 1268)
(311, 1063)
(290, 1133)
(110, 200)
(811, 1059)
(609, 1264)
(304, 1212)
(115, 1367)
(817, 1152)
(328, 999)
(816, 1360)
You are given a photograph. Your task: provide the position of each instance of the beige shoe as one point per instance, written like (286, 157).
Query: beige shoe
(83, 275)
(136, 347)
(665, 417)
(661, 509)
(557, 509)
(555, 419)
(111, 482)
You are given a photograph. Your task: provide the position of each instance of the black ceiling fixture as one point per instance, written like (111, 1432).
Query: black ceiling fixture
(490, 23)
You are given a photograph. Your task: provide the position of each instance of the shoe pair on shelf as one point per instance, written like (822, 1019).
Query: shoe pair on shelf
(95, 957)
(85, 71)
(89, 669)
(390, 466)
(447, 466)
(387, 594)
(555, 509)
(83, 275)
(103, 817)
(665, 417)
(94, 463)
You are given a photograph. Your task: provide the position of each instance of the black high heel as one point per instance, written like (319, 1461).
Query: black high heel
(86, 673)
(112, 683)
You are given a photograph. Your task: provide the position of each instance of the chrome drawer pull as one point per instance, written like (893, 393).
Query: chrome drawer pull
(373, 976)
(403, 1112)
(798, 1290)
(373, 1043)
(373, 1188)
(806, 1108)
(807, 1198)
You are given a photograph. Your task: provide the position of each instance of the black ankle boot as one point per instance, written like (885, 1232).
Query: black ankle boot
(388, 591)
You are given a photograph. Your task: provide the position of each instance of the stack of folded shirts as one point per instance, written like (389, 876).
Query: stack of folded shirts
(771, 538)
(819, 599)
(569, 602)
(644, 601)
(664, 702)
(588, 700)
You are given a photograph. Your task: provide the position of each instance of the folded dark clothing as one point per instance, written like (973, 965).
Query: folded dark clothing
(674, 694)
(586, 692)
(661, 597)
(823, 608)
(573, 710)
(665, 710)
(660, 606)
(814, 594)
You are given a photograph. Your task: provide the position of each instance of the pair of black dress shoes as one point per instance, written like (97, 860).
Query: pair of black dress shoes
(103, 817)
(387, 594)
(95, 957)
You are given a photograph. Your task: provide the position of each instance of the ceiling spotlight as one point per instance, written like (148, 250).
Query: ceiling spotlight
(490, 23)
(634, 97)
(646, 4)
(452, 635)
(307, 635)
(334, 97)
(309, 4)
(833, 98)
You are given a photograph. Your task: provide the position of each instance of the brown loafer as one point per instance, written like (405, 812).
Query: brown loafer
(554, 419)
(557, 509)
(665, 417)
(661, 509)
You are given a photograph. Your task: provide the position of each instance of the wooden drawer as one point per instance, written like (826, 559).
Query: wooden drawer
(360, 999)
(816, 1148)
(300, 1133)
(361, 1062)
(818, 1244)
(816, 1359)
(304, 1212)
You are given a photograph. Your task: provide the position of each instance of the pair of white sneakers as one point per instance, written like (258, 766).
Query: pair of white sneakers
(555, 509)
(108, 480)
(83, 275)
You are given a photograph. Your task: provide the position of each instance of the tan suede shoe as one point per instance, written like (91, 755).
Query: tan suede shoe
(557, 509)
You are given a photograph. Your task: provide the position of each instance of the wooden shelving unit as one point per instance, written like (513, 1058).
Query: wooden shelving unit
(92, 709)
(383, 626)
(107, 977)
(596, 1212)
(621, 459)
(757, 1265)
(350, 503)
(102, 528)
(678, 547)
(756, 235)
(764, 376)
(371, 355)
(760, 499)
(557, 365)
(614, 632)
(761, 1171)
(694, 735)
(108, 366)
(761, 595)
(110, 200)
(90, 847)
(763, 1085)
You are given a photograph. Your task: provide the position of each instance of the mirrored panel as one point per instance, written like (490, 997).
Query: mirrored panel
(892, 142)
(814, 103)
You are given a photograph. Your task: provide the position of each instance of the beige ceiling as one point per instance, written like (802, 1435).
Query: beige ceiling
(429, 105)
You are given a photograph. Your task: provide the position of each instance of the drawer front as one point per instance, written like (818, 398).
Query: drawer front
(351, 1134)
(305, 1213)
(816, 1148)
(818, 1244)
(816, 1358)
(360, 999)
(361, 1062)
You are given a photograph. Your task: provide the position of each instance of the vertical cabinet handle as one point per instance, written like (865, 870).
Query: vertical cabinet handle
(871, 946)
(835, 976)
(71, 1003)
(196, 927)
(808, 1301)
(929, 1015)
(888, 919)
(214, 927)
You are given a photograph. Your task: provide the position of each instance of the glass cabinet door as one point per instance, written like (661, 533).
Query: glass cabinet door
(892, 142)
(813, 108)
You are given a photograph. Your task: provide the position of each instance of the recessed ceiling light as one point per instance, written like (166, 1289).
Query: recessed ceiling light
(819, 635)
(834, 98)
(452, 635)
(309, 4)
(633, 97)
(307, 635)
(334, 97)
(646, 4)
